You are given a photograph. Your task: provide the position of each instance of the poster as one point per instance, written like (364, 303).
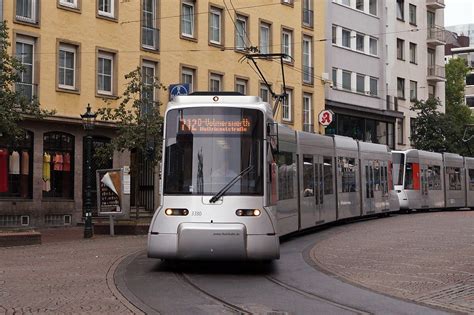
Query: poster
(110, 191)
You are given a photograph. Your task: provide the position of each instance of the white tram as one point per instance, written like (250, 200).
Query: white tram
(234, 181)
(428, 180)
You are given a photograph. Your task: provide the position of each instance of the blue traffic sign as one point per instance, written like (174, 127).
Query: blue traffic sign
(178, 89)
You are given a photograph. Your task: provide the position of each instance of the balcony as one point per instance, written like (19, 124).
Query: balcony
(435, 4)
(436, 73)
(436, 36)
(308, 17)
(308, 77)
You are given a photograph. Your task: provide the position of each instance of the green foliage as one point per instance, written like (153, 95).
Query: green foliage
(14, 107)
(137, 118)
(429, 126)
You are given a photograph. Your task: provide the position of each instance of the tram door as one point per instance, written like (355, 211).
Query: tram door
(369, 203)
(424, 186)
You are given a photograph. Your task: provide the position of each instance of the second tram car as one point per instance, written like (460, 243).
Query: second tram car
(234, 181)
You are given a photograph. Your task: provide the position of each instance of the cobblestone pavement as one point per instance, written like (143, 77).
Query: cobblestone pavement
(69, 276)
(425, 257)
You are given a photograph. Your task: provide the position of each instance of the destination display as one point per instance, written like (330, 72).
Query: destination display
(220, 124)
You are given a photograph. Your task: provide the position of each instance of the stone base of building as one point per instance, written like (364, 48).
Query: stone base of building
(19, 238)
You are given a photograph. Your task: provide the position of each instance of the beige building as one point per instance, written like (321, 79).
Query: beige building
(76, 52)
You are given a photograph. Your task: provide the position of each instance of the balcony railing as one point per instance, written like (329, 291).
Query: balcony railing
(436, 73)
(308, 17)
(308, 77)
(435, 4)
(436, 35)
(150, 38)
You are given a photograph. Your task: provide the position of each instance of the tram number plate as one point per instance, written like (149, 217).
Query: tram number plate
(196, 213)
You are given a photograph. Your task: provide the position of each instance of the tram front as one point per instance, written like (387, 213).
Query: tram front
(213, 204)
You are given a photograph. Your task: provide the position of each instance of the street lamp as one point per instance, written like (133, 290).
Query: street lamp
(88, 120)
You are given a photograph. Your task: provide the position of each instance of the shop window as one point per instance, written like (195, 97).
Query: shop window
(16, 167)
(58, 165)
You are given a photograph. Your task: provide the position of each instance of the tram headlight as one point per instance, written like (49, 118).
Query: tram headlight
(248, 212)
(176, 212)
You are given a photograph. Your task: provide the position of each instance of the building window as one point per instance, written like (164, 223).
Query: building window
(431, 91)
(25, 52)
(373, 7)
(470, 79)
(413, 91)
(241, 33)
(470, 101)
(401, 88)
(215, 82)
(27, 11)
(400, 49)
(58, 165)
(264, 92)
(334, 78)
(187, 18)
(360, 5)
(264, 44)
(360, 42)
(215, 26)
(287, 106)
(412, 12)
(373, 43)
(286, 44)
(187, 76)
(68, 3)
(150, 33)
(308, 13)
(105, 72)
(346, 80)
(346, 38)
(400, 137)
(360, 83)
(106, 8)
(307, 60)
(67, 66)
(334, 34)
(346, 2)
(374, 86)
(241, 86)
(307, 112)
(401, 10)
(16, 167)
(148, 79)
(413, 53)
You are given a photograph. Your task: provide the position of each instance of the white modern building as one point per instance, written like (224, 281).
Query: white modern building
(415, 40)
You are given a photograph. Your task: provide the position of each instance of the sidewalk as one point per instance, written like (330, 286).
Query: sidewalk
(66, 274)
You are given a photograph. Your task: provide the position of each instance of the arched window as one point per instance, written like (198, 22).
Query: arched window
(16, 167)
(58, 165)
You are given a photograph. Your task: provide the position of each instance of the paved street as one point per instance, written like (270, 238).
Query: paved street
(426, 257)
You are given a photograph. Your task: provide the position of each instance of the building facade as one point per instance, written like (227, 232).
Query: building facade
(463, 29)
(466, 53)
(415, 39)
(77, 53)
(356, 65)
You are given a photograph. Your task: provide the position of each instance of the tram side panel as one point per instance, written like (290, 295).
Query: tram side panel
(454, 180)
(469, 170)
(348, 178)
(431, 180)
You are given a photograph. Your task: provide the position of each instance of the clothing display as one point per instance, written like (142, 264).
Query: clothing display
(46, 172)
(25, 163)
(15, 163)
(24, 186)
(3, 170)
(58, 162)
(67, 162)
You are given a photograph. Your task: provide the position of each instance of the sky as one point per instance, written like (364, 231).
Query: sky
(458, 12)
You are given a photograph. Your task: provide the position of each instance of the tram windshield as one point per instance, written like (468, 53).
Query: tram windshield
(207, 147)
(398, 160)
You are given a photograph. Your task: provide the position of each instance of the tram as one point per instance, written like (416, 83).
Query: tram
(234, 181)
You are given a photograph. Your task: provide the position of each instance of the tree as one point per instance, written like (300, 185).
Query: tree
(138, 123)
(458, 115)
(429, 126)
(14, 105)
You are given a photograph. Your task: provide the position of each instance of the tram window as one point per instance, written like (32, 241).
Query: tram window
(377, 177)
(308, 176)
(348, 169)
(471, 179)
(398, 162)
(430, 177)
(286, 173)
(454, 178)
(409, 176)
(436, 177)
(328, 181)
